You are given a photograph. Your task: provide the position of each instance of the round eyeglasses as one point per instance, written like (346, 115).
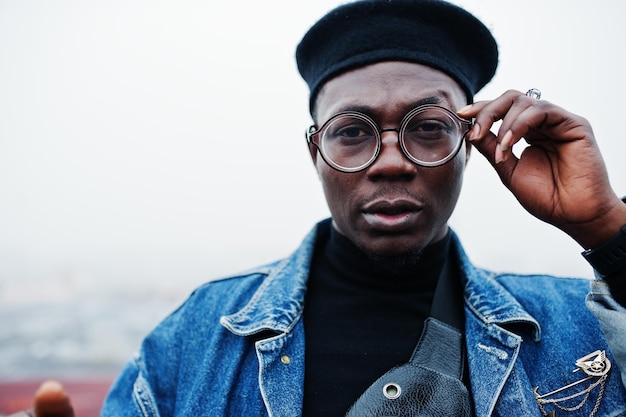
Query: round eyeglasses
(428, 135)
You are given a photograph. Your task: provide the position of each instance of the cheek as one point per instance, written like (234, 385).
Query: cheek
(332, 185)
(452, 182)
(337, 188)
(445, 182)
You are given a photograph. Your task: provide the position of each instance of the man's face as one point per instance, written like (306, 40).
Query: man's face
(393, 207)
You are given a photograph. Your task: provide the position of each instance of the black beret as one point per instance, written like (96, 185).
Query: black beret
(430, 32)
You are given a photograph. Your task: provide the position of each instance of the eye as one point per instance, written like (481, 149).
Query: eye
(348, 130)
(352, 132)
(428, 126)
(429, 129)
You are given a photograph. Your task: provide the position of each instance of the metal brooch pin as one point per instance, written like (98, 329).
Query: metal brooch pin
(597, 366)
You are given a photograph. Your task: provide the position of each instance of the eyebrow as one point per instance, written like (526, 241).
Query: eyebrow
(370, 111)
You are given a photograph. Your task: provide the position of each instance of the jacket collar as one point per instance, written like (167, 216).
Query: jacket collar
(488, 299)
(278, 303)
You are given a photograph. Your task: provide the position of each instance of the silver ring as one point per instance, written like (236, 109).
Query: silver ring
(534, 93)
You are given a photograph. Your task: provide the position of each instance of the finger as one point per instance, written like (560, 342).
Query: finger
(525, 114)
(52, 401)
(490, 149)
(486, 113)
(486, 146)
(528, 115)
(471, 110)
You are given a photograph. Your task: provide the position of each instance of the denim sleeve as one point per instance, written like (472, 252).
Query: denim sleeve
(130, 395)
(612, 318)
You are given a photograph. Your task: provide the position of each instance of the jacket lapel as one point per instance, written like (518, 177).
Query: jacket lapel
(492, 349)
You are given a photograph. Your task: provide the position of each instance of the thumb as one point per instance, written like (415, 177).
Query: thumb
(52, 401)
(504, 162)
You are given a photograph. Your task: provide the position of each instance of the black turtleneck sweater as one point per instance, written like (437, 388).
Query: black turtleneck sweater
(361, 319)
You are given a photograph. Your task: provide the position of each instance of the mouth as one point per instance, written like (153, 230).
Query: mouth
(392, 215)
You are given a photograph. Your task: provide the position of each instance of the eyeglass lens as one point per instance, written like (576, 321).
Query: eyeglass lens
(350, 141)
(427, 135)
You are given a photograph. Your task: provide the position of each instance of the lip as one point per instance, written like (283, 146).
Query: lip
(391, 215)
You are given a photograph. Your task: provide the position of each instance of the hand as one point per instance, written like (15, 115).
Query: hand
(50, 401)
(560, 177)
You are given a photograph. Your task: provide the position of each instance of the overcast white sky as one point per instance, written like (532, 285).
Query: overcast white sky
(162, 141)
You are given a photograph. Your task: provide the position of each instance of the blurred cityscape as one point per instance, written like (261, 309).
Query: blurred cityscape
(78, 334)
(43, 332)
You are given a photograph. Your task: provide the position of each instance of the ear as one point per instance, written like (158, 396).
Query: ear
(314, 153)
(468, 150)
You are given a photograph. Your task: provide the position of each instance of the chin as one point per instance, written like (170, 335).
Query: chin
(396, 261)
(406, 253)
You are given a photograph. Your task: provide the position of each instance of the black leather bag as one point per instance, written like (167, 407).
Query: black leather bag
(429, 385)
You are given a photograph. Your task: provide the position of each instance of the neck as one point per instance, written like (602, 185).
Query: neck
(407, 270)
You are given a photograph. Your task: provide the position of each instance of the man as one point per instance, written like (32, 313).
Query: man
(380, 312)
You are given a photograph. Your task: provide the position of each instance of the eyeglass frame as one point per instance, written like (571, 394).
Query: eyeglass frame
(313, 137)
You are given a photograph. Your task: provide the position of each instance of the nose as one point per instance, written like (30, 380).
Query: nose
(391, 161)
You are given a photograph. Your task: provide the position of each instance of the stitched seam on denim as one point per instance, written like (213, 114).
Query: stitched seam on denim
(143, 398)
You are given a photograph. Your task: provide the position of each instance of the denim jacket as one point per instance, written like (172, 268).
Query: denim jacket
(236, 346)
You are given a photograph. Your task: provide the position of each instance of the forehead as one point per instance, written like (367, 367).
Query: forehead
(388, 87)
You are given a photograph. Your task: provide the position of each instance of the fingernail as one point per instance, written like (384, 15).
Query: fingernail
(499, 154)
(474, 133)
(505, 143)
(464, 109)
(51, 386)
